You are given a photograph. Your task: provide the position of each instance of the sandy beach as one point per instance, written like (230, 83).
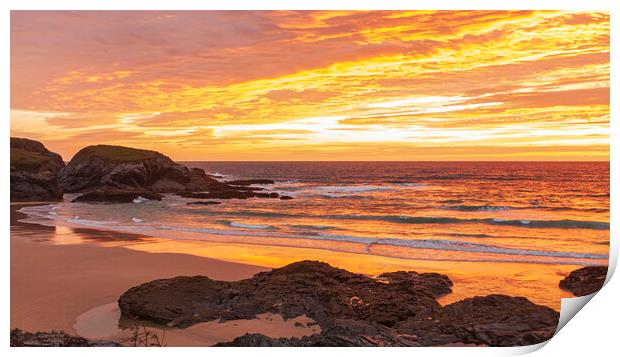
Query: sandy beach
(53, 285)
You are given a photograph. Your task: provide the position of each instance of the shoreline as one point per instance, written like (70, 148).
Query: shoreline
(537, 282)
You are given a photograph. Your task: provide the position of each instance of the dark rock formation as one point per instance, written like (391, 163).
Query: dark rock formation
(320, 291)
(585, 281)
(204, 203)
(34, 172)
(343, 333)
(21, 338)
(105, 166)
(250, 182)
(117, 196)
(286, 197)
(494, 320)
(230, 192)
(396, 309)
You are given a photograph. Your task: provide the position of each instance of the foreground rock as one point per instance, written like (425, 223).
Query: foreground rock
(21, 338)
(343, 333)
(585, 281)
(320, 291)
(396, 309)
(106, 166)
(494, 320)
(118, 196)
(34, 172)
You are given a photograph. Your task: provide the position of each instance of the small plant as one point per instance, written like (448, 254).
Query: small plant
(143, 337)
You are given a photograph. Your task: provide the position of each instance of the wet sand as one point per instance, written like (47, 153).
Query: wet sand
(54, 284)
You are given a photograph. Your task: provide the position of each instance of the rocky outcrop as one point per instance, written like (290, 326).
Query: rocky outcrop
(395, 309)
(343, 333)
(34, 172)
(250, 182)
(320, 291)
(104, 169)
(118, 167)
(21, 338)
(494, 320)
(118, 196)
(585, 281)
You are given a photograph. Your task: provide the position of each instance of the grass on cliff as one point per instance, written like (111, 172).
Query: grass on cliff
(27, 160)
(116, 153)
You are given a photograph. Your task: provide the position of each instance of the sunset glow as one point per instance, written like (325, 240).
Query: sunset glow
(315, 85)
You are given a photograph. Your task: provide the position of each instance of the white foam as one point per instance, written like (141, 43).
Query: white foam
(140, 199)
(137, 220)
(249, 226)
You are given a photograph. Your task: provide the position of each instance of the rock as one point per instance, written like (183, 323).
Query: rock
(230, 192)
(494, 320)
(204, 203)
(286, 197)
(343, 333)
(125, 168)
(21, 338)
(316, 289)
(585, 281)
(113, 195)
(250, 182)
(34, 172)
(437, 284)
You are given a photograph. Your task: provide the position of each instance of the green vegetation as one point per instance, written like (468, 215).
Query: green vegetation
(25, 160)
(116, 153)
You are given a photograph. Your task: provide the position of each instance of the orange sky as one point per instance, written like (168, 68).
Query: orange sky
(315, 85)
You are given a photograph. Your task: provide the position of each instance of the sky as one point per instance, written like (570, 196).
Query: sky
(315, 85)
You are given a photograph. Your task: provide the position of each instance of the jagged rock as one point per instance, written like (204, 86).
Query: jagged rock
(204, 203)
(438, 284)
(585, 281)
(117, 196)
(250, 182)
(316, 289)
(95, 167)
(494, 320)
(230, 192)
(343, 333)
(34, 172)
(21, 338)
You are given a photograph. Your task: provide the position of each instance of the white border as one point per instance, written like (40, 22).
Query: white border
(590, 332)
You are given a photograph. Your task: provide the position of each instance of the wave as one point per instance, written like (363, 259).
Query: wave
(354, 188)
(562, 223)
(311, 226)
(249, 226)
(434, 244)
(478, 208)
(441, 244)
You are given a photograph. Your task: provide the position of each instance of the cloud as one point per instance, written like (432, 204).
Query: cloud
(183, 78)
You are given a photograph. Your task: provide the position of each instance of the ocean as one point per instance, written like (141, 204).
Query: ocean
(533, 213)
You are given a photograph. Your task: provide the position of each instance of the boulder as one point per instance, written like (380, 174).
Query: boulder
(493, 320)
(113, 195)
(585, 281)
(316, 289)
(286, 197)
(34, 172)
(125, 168)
